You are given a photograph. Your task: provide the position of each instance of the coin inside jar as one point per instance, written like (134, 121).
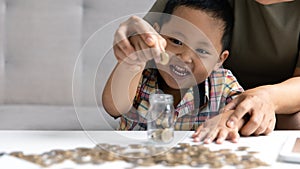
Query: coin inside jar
(164, 58)
(167, 135)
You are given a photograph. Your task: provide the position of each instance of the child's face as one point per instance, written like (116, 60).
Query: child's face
(193, 53)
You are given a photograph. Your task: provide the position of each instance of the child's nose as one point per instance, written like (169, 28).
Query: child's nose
(186, 57)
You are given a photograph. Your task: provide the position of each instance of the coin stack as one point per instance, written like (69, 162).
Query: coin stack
(163, 132)
(162, 129)
(196, 155)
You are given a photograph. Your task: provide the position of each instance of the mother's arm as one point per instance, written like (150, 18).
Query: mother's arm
(289, 121)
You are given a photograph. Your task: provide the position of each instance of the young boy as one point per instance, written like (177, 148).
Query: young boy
(192, 75)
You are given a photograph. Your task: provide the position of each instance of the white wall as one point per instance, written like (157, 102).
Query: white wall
(40, 42)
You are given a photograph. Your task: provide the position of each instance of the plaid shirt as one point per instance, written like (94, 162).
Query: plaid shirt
(220, 88)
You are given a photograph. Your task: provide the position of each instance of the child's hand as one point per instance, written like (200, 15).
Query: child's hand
(136, 42)
(143, 53)
(215, 129)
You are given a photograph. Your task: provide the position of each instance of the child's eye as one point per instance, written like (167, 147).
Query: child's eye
(202, 52)
(176, 41)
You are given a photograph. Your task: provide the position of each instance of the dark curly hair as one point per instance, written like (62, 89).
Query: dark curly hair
(219, 9)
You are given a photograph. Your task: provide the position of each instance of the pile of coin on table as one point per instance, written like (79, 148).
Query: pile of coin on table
(147, 155)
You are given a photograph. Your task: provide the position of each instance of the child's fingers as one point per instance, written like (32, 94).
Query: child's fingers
(200, 134)
(140, 26)
(157, 47)
(122, 45)
(197, 132)
(136, 42)
(211, 136)
(146, 52)
(119, 54)
(156, 55)
(148, 35)
(130, 61)
(233, 136)
(222, 136)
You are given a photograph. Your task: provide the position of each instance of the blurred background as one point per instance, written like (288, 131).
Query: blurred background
(41, 48)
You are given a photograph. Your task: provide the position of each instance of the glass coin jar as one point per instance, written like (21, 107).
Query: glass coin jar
(160, 118)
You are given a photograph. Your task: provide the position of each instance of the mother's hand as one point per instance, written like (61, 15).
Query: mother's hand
(257, 104)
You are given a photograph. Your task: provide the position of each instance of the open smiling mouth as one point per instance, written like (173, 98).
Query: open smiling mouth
(179, 71)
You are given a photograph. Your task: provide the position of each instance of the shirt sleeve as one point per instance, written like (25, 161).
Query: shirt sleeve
(223, 87)
(232, 87)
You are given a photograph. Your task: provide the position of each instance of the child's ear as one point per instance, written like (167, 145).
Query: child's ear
(223, 56)
(156, 27)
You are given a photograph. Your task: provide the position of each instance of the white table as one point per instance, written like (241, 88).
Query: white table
(42, 141)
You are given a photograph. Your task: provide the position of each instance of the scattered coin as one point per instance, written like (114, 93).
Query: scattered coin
(145, 162)
(184, 145)
(17, 154)
(242, 148)
(252, 152)
(196, 155)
